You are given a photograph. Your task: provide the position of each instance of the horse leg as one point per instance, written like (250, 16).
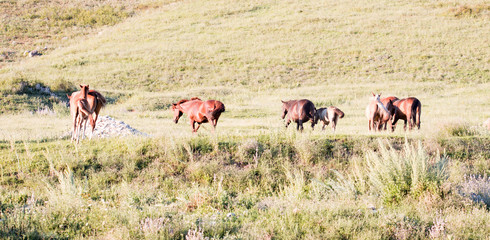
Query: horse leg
(73, 134)
(215, 122)
(288, 122)
(193, 123)
(334, 124)
(84, 128)
(198, 125)
(300, 125)
(404, 125)
(79, 125)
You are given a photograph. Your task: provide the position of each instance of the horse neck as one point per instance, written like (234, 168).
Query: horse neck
(323, 114)
(380, 104)
(84, 93)
(184, 106)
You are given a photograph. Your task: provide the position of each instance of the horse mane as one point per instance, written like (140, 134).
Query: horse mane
(196, 98)
(182, 101)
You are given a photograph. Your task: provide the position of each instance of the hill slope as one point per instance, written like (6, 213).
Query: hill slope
(275, 44)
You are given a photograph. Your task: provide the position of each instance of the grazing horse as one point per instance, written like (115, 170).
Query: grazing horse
(407, 109)
(328, 115)
(80, 111)
(198, 111)
(299, 111)
(95, 100)
(392, 112)
(377, 113)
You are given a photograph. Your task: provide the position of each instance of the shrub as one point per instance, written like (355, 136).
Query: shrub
(476, 188)
(396, 174)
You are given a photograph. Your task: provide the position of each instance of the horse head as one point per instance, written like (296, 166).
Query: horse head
(284, 109)
(376, 97)
(84, 90)
(177, 112)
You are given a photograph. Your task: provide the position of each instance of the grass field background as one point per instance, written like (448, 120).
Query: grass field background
(252, 179)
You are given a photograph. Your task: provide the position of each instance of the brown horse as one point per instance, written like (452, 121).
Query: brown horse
(385, 102)
(328, 115)
(409, 110)
(377, 113)
(80, 111)
(198, 111)
(299, 111)
(95, 100)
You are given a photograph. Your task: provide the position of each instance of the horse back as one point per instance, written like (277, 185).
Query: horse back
(387, 99)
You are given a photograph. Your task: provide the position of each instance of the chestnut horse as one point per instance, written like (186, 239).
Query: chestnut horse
(385, 102)
(408, 109)
(328, 115)
(95, 100)
(377, 113)
(198, 111)
(299, 111)
(80, 111)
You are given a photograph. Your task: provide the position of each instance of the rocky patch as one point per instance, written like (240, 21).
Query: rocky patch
(110, 127)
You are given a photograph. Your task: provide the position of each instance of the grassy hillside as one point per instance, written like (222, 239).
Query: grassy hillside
(45, 25)
(253, 54)
(252, 179)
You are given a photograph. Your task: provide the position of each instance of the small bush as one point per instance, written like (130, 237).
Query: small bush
(458, 130)
(476, 188)
(397, 174)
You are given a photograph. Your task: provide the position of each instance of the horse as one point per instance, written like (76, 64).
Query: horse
(328, 115)
(299, 111)
(409, 110)
(392, 112)
(94, 98)
(198, 111)
(80, 111)
(377, 113)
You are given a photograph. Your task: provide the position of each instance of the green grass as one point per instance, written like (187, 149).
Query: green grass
(252, 179)
(224, 186)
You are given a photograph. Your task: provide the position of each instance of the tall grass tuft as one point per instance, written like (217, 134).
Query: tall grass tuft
(395, 174)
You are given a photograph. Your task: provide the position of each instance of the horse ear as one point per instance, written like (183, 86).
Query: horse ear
(68, 96)
(380, 93)
(174, 104)
(373, 94)
(80, 86)
(283, 101)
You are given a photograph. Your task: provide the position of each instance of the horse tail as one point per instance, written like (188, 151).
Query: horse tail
(340, 113)
(100, 99)
(418, 111)
(311, 113)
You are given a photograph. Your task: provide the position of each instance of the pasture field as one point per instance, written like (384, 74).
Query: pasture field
(252, 179)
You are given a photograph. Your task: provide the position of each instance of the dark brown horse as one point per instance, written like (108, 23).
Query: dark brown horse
(198, 111)
(299, 111)
(385, 101)
(378, 113)
(409, 110)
